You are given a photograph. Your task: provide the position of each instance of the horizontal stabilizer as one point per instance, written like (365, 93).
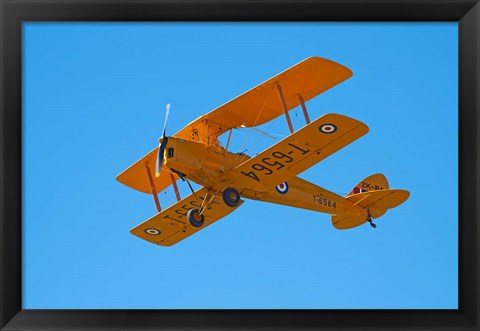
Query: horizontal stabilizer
(347, 221)
(375, 202)
(384, 199)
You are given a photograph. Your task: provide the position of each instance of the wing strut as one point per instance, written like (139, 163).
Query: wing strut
(304, 108)
(284, 106)
(228, 141)
(152, 187)
(175, 187)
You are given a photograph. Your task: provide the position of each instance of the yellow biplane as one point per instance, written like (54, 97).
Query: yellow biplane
(196, 154)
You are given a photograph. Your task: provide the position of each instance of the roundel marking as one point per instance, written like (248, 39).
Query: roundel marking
(152, 231)
(282, 188)
(328, 128)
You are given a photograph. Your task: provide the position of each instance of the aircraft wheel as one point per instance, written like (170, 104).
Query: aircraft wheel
(231, 197)
(195, 218)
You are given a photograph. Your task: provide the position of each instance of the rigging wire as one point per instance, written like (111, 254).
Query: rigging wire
(259, 132)
(254, 123)
(297, 119)
(260, 138)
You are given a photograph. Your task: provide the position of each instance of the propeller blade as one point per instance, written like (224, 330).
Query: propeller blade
(166, 119)
(161, 148)
(159, 162)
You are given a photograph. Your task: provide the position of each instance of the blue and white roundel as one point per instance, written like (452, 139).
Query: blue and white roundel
(328, 128)
(152, 231)
(282, 188)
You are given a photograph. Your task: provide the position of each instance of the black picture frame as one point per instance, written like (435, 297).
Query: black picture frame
(14, 12)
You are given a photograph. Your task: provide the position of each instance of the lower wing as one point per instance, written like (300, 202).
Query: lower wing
(297, 152)
(171, 225)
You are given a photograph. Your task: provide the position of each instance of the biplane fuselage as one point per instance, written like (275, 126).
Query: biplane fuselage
(210, 166)
(195, 154)
(204, 164)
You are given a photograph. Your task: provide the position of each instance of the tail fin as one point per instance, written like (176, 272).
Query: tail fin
(374, 195)
(372, 183)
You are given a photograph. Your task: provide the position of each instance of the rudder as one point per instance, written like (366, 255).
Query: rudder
(374, 182)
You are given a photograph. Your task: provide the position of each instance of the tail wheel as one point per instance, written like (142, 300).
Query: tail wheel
(369, 220)
(195, 218)
(231, 197)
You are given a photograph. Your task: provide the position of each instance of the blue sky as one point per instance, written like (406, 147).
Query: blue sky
(94, 98)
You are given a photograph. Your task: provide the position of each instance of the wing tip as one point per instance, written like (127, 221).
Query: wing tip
(348, 72)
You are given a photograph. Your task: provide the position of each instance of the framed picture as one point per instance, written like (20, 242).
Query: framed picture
(93, 91)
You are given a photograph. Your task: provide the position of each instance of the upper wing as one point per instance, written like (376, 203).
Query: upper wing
(297, 152)
(171, 225)
(136, 175)
(261, 104)
(255, 107)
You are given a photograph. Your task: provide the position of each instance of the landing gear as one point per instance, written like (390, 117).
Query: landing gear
(369, 218)
(231, 197)
(195, 218)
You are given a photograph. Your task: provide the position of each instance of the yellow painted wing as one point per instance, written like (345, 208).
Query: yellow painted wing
(261, 104)
(136, 176)
(171, 225)
(297, 152)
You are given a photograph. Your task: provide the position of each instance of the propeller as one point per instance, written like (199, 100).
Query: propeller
(161, 148)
